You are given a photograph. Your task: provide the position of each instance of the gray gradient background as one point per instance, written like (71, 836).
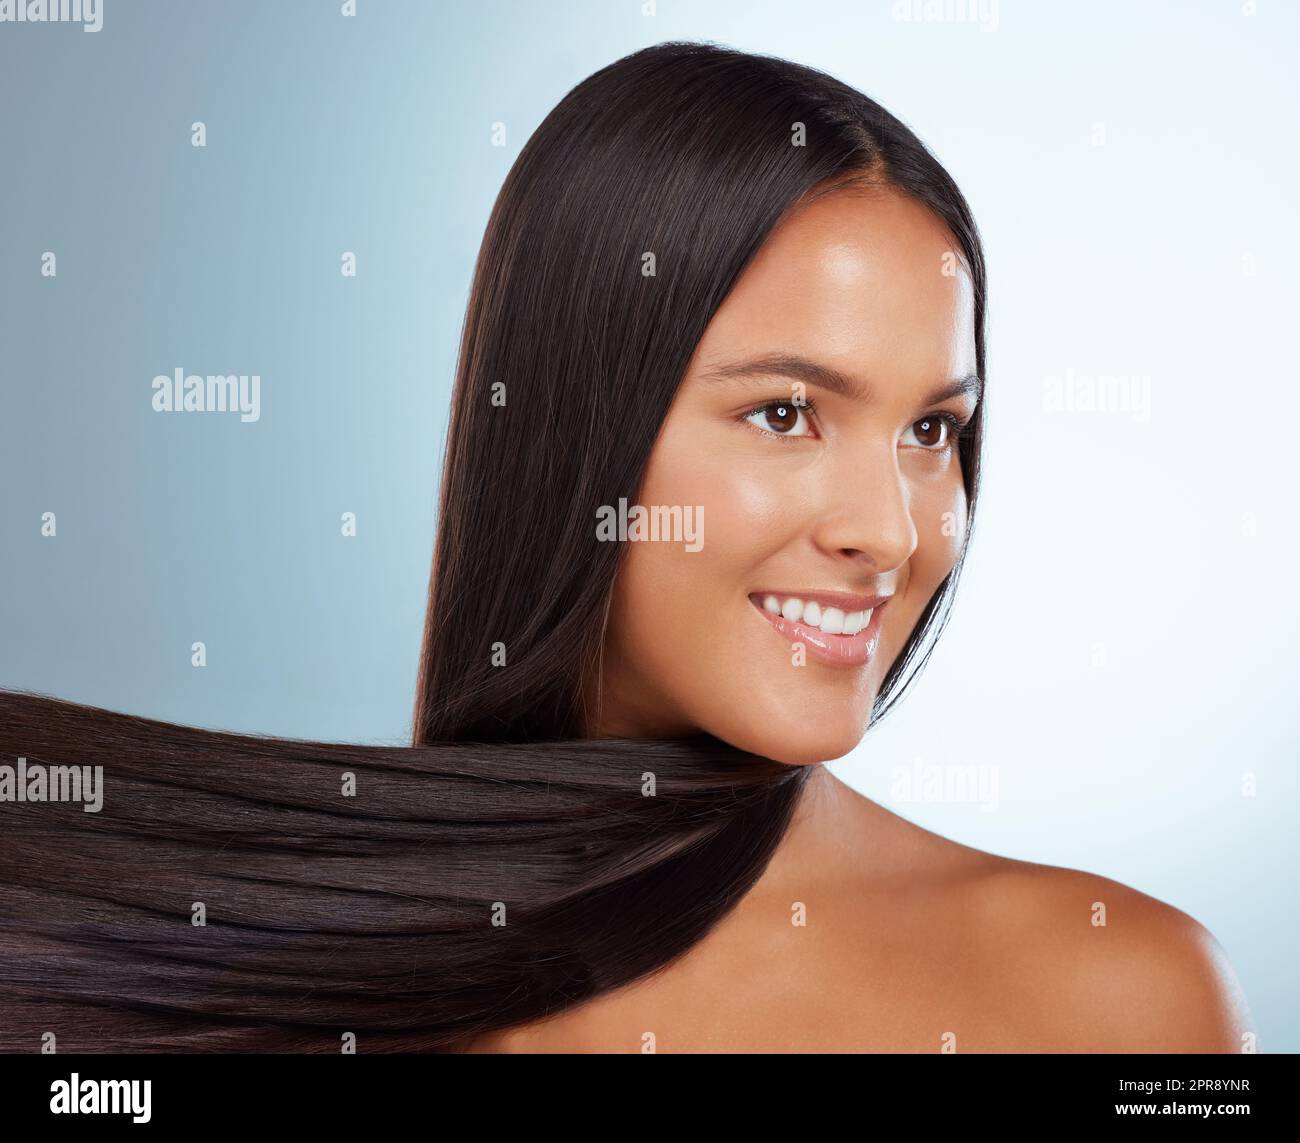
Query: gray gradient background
(1170, 545)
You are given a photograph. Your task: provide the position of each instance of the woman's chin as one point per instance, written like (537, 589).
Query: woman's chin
(798, 746)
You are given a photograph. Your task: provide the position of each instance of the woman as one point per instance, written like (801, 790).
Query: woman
(711, 471)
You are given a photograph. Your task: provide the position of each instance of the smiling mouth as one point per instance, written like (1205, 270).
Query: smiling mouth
(837, 628)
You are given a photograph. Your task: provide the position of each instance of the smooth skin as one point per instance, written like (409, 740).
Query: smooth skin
(912, 942)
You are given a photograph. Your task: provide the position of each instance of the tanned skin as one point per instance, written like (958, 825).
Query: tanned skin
(910, 942)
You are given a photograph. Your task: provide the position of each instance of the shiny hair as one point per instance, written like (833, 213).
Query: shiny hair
(508, 864)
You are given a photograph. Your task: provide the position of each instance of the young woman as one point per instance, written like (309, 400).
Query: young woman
(711, 472)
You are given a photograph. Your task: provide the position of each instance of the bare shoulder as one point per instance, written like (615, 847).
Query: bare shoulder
(1102, 967)
(1050, 959)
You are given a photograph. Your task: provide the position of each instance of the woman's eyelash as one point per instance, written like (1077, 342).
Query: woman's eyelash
(956, 425)
(806, 406)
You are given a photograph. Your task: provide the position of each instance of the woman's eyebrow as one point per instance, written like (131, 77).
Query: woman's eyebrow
(814, 373)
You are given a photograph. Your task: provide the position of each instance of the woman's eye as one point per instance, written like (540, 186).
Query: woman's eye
(782, 418)
(934, 432)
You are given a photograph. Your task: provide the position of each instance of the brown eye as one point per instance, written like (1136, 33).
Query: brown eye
(933, 433)
(781, 418)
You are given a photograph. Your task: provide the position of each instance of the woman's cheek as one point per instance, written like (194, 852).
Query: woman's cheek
(737, 503)
(940, 518)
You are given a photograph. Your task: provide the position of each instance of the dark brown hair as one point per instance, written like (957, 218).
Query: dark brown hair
(508, 864)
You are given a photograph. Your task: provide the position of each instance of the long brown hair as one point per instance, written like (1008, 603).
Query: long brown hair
(249, 893)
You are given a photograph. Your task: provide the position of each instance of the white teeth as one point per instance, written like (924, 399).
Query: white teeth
(832, 621)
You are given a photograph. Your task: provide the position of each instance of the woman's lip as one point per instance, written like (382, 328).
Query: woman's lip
(834, 650)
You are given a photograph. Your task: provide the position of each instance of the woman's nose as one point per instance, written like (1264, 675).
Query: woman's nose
(866, 512)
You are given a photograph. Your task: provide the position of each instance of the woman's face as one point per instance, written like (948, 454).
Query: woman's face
(859, 307)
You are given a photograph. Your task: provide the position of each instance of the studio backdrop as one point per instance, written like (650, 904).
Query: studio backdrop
(293, 194)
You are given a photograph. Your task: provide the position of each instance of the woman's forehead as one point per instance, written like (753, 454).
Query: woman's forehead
(854, 278)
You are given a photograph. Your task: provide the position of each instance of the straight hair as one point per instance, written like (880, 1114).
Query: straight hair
(252, 893)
